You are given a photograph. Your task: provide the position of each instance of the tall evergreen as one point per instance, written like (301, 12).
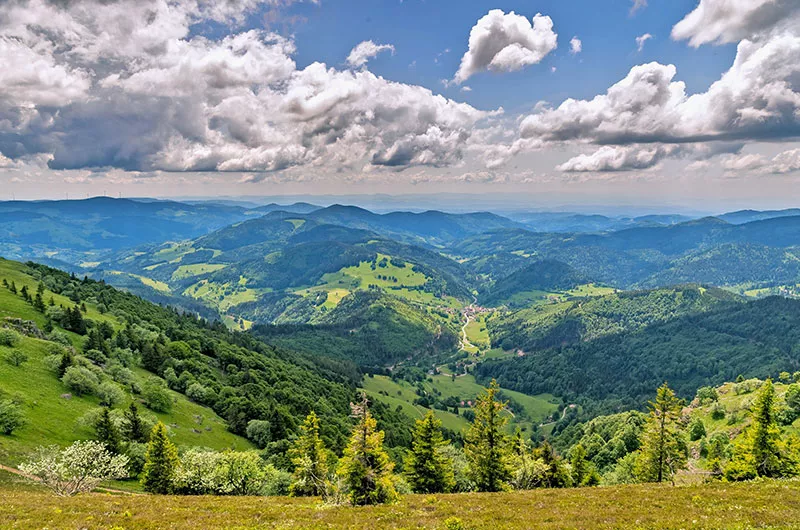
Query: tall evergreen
(487, 444)
(132, 425)
(760, 451)
(365, 466)
(663, 446)
(161, 462)
(107, 432)
(66, 362)
(310, 460)
(427, 468)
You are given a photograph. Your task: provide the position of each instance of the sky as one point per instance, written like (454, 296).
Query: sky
(686, 103)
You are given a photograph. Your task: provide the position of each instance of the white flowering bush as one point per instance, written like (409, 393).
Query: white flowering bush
(77, 469)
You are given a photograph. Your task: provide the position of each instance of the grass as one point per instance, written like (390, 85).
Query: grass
(769, 504)
(196, 269)
(342, 282)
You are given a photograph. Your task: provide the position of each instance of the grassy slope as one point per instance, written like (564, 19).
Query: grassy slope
(745, 505)
(53, 419)
(464, 388)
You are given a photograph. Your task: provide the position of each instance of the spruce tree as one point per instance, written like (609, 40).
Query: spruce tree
(365, 466)
(310, 460)
(132, 425)
(66, 362)
(107, 432)
(760, 451)
(663, 447)
(583, 471)
(161, 462)
(427, 468)
(486, 444)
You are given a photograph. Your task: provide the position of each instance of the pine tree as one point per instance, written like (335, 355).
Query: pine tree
(24, 293)
(66, 362)
(13, 287)
(310, 460)
(40, 289)
(365, 466)
(583, 471)
(132, 425)
(107, 432)
(427, 468)
(161, 462)
(486, 444)
(663, 447)
(760, 451)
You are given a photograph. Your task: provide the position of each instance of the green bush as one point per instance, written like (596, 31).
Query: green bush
(9, 338)
(16, 358)
(80, 380)
(156, 396)
(11, 417)
(110, 394)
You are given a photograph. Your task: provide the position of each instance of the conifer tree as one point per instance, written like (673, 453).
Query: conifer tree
(161, 462)
(66, 362)
(427, 468)
(107, 432)
(486, 444)
(13, 287)
(760, 451)
(366, 467)
(310, 460)
(132, 425)
(583, 471)
(663, 446)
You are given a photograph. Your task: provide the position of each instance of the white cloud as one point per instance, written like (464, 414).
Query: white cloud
(725, 21)
(616, 158)
(759, 97)
(501, 42)
(637, 5)
(575, 45)
(123, 83)
(785, 162)
(363, 52)
(641, 40)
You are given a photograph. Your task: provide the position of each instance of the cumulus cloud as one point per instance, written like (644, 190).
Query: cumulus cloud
(726, 21)
(785, 162)
(506, 42)
(575, 45)
(363, 52)
(758, 97)
(126, 84)
(617, 158)
(641, 40)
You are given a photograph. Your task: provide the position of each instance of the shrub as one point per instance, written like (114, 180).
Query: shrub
(16, 358)
(697, 429)
(80, 380)
(259, 432)
(77, 469)
(718, 412)
(197, 392)
(156, 396)
(9, 338)
(110, 394)
(11, 417)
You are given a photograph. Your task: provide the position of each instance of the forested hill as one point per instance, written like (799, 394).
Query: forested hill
(618, 372)
(118, 335)
(708, 250)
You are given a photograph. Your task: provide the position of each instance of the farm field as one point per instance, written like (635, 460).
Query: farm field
(766, 504)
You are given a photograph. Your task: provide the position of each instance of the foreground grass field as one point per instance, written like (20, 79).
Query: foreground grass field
(736, 506)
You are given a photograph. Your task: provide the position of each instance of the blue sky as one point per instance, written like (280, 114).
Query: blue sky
(266, 97)
(421, 31)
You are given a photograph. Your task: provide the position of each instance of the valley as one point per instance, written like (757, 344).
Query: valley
(246, 329)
